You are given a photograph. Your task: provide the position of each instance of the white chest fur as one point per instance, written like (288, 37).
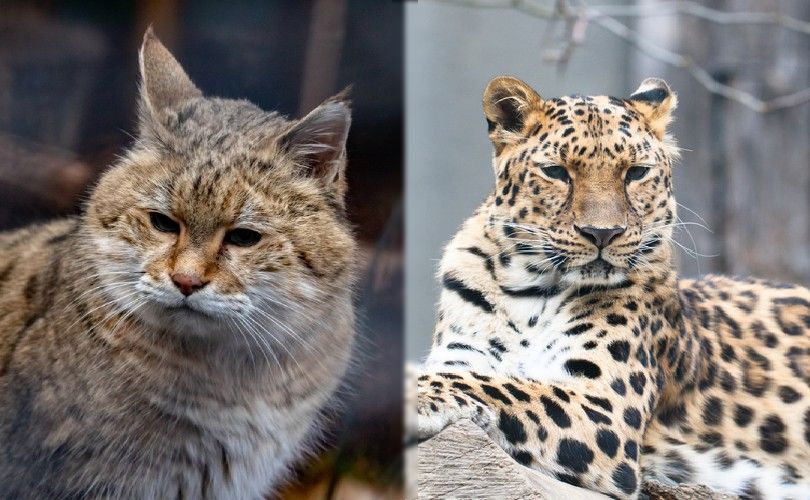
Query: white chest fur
(540, 349)
(261, 442)
(523, 337)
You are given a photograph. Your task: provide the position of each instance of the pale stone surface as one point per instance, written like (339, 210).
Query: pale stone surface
(463, 462)
(658, 491)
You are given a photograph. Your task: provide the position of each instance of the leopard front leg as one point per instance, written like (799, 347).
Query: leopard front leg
(579, 437)
(447, 400)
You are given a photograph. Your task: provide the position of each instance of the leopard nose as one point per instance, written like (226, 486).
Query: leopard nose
(600, 236)
(187, 283)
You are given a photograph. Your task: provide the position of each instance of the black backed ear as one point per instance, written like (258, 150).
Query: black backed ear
(164, 83)
(508, 103)
(655, 101)
(317, 142)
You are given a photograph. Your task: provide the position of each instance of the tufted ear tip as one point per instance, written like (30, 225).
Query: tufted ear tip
(655, 100)
(149, 34)
(343, 97)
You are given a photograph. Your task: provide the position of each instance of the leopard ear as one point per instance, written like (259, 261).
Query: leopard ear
(655, 101)
(508, 102)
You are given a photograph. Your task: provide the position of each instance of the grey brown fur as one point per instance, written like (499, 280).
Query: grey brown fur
(114, 384)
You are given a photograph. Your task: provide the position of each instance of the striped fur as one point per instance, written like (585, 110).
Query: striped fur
(115, 384)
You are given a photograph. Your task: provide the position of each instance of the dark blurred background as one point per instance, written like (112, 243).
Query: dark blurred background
(68, 90)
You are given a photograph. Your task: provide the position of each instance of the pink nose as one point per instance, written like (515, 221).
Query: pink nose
(187, 283)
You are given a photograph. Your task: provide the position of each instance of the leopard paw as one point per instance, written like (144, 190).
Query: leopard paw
(437, 408)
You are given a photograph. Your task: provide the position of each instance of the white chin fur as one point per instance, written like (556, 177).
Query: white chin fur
(157, 315)
(606, 278)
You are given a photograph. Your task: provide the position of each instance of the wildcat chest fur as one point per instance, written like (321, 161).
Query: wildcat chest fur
(186, 333)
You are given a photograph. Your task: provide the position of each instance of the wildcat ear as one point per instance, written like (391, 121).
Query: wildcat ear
(655, 101)
(507, 105)
(164, 83)
(317, 142)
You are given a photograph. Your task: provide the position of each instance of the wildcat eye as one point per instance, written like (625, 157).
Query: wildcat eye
(163, 223)
(636, 173)
(242, 237)
(556, 172)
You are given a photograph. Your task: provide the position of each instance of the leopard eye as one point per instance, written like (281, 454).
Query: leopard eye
(556, 172)
(242, 237)
(636, 173)
(164, 223)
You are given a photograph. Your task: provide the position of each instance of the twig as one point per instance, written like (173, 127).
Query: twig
(701, 75)
(686, 8)
(577, 20)
(694, 9)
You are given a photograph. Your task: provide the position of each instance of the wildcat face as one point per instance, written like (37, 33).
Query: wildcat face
(223, 217)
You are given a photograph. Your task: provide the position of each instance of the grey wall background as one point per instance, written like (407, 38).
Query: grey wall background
(451, 54)
(746, 173)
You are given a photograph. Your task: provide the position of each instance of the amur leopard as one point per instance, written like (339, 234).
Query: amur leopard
(564, 332)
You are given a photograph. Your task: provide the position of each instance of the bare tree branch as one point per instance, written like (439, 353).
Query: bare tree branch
(577, 19)
(701, 75)
(694, 9)
(686, 8)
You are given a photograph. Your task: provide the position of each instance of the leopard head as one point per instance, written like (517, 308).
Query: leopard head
(583, 183)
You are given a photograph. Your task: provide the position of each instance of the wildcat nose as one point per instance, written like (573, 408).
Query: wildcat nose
(600, 236)
(187, 283)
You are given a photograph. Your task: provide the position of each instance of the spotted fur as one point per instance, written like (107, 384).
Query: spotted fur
(114, 382)
(590, 361)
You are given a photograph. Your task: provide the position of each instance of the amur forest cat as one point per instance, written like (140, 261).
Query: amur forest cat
(182, 337)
